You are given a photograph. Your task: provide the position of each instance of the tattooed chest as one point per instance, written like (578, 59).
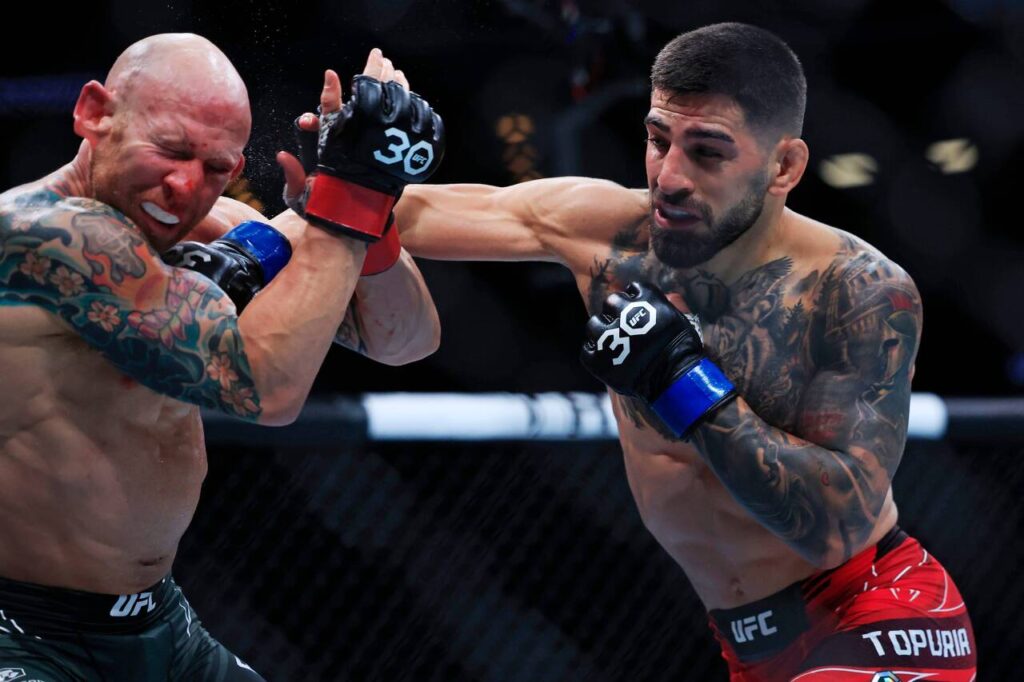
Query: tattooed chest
(759, 329)
(765, 354)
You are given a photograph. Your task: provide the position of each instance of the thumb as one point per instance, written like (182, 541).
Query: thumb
(330, 96)
(294, 175)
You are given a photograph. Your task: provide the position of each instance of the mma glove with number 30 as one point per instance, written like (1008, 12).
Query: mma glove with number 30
(642, 346)
(382, 139)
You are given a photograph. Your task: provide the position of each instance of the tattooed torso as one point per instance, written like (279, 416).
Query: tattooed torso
(776, 331)
(99, 474)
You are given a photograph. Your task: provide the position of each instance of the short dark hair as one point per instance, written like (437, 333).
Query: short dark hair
(749, 64)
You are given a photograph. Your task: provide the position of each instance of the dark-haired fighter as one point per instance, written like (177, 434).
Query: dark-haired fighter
(779, 506)
(106, 351)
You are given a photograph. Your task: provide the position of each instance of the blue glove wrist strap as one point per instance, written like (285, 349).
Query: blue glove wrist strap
(701, 388)
(270, 248)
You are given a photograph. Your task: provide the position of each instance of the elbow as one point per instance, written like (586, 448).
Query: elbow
(265, 413)
(423, 343)
(427, 343)
(422, 346)
(283, 418)
(281, 408)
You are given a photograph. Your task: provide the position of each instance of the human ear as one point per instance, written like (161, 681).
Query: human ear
(94, 112)
(791, 157)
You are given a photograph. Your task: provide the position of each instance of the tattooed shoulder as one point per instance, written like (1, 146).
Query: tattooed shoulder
(87, 264)
(869, 318)
(864, 297)
(625, 262)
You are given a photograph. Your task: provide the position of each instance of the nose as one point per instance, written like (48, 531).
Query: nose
(673, 175)
(184, 179)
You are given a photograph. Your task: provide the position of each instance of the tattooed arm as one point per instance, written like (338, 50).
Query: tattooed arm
(171, 329)
(822, 490)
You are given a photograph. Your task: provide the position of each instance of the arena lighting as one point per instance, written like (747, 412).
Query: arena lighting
(239, 190)
(848, 170)
(520, 157)
(42, 94)
(958, 155)
(514, 128)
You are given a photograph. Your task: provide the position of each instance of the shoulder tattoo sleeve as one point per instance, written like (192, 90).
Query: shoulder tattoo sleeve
(170, 329)
(822, 487)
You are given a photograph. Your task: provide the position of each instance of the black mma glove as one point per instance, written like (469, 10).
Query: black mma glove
(382, 139)
(643, 346)
(381, 254)
(241, 262)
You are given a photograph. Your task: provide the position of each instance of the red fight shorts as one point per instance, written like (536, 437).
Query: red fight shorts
(889, 614)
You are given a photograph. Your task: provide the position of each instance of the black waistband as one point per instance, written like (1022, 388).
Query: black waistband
(27, 608)
(767, 626)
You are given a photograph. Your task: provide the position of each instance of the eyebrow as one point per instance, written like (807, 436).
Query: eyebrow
(652, 120)
(178, 141)
(711, 135)
(703, 134)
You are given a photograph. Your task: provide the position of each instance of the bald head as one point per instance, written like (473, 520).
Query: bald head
(176, 68)
(165, 134)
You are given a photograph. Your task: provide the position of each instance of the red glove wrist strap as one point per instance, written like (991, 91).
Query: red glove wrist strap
(382, 254)
(345, 203)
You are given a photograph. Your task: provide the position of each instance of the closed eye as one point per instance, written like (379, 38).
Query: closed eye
(177, 154)
(657, 142)
(707, 153)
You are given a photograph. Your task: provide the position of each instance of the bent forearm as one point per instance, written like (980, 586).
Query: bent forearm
(392, 318)
(823, 503)
(289, 326)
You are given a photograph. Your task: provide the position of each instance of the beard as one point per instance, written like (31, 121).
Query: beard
(685, 250)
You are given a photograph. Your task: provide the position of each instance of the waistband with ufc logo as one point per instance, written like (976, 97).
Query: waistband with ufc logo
(765, 627)
(27, 608)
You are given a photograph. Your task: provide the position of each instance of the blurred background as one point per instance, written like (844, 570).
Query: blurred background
(528, 561)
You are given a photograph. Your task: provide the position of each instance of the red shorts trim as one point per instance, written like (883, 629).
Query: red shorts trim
(890, 609)
(850, 674)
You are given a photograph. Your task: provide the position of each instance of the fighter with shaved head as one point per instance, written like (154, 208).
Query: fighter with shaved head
(113, 333)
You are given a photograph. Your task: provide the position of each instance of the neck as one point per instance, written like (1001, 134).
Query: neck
(705, 286)
(754, 247)
(73, 179)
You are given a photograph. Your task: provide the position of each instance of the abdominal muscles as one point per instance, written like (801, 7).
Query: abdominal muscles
(99, 475)
(728, 557)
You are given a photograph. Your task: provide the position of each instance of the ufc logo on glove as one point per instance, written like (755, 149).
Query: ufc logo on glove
(636, 319)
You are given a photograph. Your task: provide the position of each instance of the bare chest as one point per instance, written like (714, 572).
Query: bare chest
(65, 387)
